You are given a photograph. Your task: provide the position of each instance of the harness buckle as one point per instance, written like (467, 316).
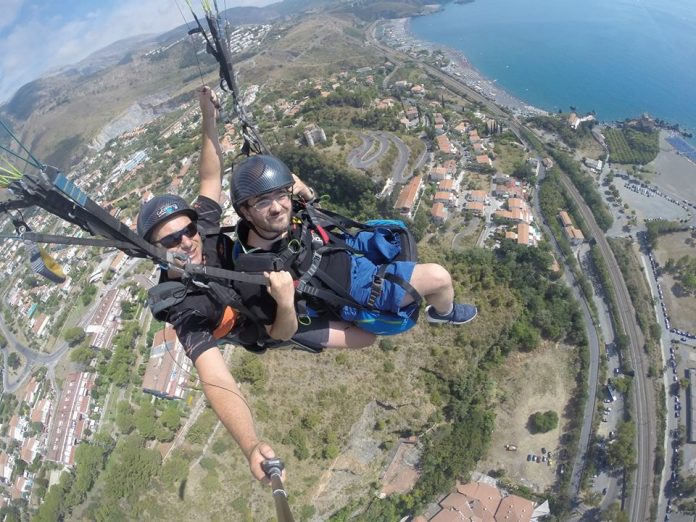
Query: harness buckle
(375, 291)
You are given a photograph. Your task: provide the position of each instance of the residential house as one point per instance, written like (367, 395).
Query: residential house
(17, 426)
(447, 185)
(41, 412)
(118, 262)
(475, 207)
(30, 448)
(314, 134)
(523, 236)
(444, 144)
(595, 165)
(407, 202)
(168, 367)
(70, 418)
(438, 213)
(7, 463)
(573, 234)
(445, 197)
(437, 173)
(461, 127)
(21, 487)
(483, 159)
(477, 195)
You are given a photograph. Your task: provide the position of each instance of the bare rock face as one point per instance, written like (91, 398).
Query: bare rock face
(351, 469)
(139, 113)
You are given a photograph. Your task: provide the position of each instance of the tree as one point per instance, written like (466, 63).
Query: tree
(251, 370)
(622, 453)
(124, 417)
(14, 361)
(174, 470)
(523, 171)
(83, 355)
(74, 335)
(542, 422)
(171, 417)
(130, 468)
(145, 421)
(614, 514)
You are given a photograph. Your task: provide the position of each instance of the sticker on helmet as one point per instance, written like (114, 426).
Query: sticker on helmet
(163, 211)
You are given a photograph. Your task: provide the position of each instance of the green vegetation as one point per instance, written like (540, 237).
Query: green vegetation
(74, 335)
(659, 227)
(542, 422)
(622, 453)
(684, 271)
(73, 487)
(641, 298)
(586, 186)
(630, 145)
(348, 193)
(559, 125)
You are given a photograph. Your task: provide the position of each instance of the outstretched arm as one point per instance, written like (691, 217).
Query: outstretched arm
(229, 404)
(210, 165)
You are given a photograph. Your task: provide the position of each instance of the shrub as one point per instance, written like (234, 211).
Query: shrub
(542, 422)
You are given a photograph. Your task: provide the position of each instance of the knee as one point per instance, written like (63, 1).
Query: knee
(438, 275)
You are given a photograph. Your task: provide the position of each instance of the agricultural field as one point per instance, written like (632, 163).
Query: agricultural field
(630, 146)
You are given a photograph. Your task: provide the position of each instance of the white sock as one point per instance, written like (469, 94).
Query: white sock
(451, 309)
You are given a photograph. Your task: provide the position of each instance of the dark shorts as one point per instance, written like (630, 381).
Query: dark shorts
(363, 273)
(314, 335)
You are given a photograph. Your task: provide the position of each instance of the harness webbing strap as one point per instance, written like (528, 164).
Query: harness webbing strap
(221, 274)
(71, 240)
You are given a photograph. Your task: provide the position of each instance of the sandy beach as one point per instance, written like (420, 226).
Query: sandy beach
(396, 34)
(674, 172)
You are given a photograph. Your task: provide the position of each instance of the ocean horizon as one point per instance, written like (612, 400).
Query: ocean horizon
(620, 59)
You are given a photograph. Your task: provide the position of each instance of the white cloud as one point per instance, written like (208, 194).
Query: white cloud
(34, 46)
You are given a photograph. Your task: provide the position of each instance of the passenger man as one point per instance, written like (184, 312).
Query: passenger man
(262, 195)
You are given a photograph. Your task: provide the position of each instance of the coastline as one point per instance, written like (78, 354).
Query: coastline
(674, 171)
(396, 34)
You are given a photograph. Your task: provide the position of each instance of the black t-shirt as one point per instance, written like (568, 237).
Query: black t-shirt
(197, 316)
(336, 264)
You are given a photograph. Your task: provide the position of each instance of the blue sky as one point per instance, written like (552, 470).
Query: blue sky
(37, 36)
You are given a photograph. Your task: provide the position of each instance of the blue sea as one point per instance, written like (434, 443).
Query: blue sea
(620, 58)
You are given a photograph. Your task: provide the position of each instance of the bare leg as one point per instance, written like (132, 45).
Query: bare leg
(347, 335)
(434, 283)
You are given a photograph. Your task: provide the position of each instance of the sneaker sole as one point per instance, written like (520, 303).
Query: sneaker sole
(432, 320)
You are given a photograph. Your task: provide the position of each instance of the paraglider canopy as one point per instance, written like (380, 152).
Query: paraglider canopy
(43, 264)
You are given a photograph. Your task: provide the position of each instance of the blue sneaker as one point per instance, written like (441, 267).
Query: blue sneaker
(460, 314)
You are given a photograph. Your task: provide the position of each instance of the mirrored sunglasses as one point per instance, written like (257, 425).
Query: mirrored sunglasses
(174, 239)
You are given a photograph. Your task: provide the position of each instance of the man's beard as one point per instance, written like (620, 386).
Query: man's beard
(272, 226)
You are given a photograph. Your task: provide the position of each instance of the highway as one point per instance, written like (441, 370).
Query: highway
(642, 391)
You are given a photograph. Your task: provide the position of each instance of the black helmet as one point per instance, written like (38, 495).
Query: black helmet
(159, 209)
(258, 175)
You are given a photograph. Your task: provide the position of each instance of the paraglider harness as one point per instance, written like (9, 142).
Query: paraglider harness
(314, 233)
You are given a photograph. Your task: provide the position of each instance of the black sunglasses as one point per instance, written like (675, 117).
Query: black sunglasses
(174, 239)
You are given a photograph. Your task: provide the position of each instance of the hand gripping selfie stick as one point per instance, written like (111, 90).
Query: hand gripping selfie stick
(273, 469)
